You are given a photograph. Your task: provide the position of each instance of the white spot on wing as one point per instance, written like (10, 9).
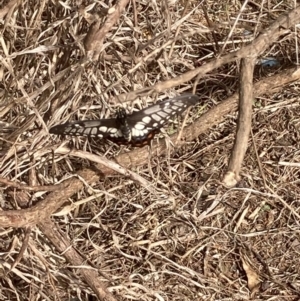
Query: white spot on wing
(155, 124)
(117, 133)
(134, 132)
(113, 130)
(168, 111)
(145, 132)
(100, 135)
(103, 129)
(146, 119)
(93, 131)
(140, 126)
(155, 117)
(162, 114)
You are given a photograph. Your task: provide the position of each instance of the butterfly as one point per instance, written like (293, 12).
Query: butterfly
(136, 129)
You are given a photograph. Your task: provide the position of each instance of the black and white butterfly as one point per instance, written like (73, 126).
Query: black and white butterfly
(136, 129)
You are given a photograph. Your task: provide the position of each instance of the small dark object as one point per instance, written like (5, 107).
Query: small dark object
(136, 129)
(269, 62)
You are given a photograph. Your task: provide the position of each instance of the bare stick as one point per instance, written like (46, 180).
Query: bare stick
(244, 122)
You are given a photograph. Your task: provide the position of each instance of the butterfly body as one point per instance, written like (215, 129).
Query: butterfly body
(136, 129)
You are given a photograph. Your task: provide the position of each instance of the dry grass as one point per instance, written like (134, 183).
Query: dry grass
(183, 237)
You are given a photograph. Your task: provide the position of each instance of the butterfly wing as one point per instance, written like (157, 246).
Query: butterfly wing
(147, 122)
(143, 124)
(104, 129)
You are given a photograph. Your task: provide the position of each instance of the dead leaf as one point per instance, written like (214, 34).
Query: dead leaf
(252, 276)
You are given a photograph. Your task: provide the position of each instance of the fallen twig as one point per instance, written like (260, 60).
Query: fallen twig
(243, 123)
